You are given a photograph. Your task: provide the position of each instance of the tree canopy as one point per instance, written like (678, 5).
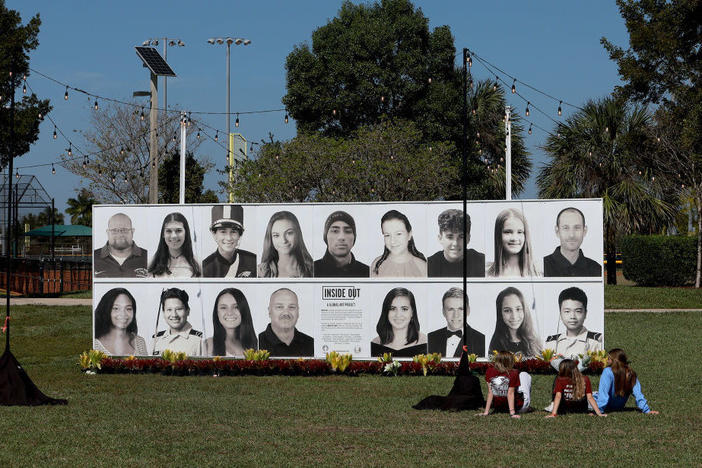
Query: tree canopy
(379, 62)
(16, 42)
(663, 65)
(80, 209)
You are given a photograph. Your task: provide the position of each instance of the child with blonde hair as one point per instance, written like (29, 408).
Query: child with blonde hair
(508, 389)
(572, 391)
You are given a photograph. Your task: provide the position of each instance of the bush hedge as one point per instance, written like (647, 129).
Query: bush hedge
(659, 260)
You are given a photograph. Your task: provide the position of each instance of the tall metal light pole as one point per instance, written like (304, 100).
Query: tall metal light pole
(166, 42)
(229, 41)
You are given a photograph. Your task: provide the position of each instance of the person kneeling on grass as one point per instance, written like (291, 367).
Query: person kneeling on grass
(572, 391)
(507, 387)
(617, 382)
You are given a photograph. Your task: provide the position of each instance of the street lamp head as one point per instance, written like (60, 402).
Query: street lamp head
(146, 43)
(211, 40)
(238, 41)
(180, 43)
(154, 42)
(247, 42)
(171, 43)
(219, 40)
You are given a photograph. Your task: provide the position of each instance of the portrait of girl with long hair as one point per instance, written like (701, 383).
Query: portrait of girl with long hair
(233, 330)
(514, 329)
(174, 255)
(400, 256)
(284, 252)
(513, 252)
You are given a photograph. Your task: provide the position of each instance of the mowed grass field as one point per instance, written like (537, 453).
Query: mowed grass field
(154, 420)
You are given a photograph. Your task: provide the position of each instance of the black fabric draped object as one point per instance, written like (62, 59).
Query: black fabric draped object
(466, 393)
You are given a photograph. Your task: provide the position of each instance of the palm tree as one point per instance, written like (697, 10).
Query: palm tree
(605, 150)
(81, 208)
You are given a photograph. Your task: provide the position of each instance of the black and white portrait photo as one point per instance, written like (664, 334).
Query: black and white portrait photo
(568, 258)
(120, 257)
(339, 261)
(449, 340)
(448, 261)
(576, 339)
(281, 337)
(228, 261)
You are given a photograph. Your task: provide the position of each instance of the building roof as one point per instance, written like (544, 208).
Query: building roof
(61, 230)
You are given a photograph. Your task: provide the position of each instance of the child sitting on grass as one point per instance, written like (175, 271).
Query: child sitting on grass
(617, 382)
(572, 391)
(507, 387)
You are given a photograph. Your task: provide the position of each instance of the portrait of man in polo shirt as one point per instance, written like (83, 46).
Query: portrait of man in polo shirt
(228, 261)
(180, 335)
(449, 340)
(577, 339)
(280, 337)
(338, 261)
(568, 258)
(120, 257)
(449, 261)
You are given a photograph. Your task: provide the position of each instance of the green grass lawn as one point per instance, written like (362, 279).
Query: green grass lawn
(140, 420)
(636, 297)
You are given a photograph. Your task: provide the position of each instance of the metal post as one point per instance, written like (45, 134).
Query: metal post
(53, 238)
(229, 120)
(165, 82)
(153, 142)
(183, 136)
(464, 183)
(8, 234)
(508, 154)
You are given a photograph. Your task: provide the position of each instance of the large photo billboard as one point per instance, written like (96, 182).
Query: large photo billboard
(301, 280)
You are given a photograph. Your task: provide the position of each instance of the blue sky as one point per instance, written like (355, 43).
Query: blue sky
(552, 45)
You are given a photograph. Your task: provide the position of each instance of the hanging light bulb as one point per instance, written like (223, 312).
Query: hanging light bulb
(658, 139)
(475, 110)
(141, 116)
(526, 112)
(251, 150)
(96, 105)
(153, 164)
(429, 80)
(560, 111)
(99, 170)
(198, 134)
(55, 135)
(24, 88)
(85, 164)
(236, 122)
(514, 86)
(17, 175)
(334, 112)
(217, 135)
(125, 178)
(40, 115)
(470, 61)
(494, 86)
(174, 137)
(53, 169)
(477, 134)
(70, 149)
(286, 117)
(65, 95)
(529, 129)
(114, 177)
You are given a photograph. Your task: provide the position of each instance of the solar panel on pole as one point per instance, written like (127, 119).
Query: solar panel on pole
(154, 62)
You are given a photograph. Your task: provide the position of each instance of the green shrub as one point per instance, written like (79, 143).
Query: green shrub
(659, 260)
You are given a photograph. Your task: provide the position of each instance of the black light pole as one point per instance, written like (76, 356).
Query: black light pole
(8, 232)
(464, 183)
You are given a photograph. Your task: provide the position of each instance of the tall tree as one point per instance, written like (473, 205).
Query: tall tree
(169, 180)
(43, 218)
(663, 65)
(118, 144)
(386, 161)
(80, 209)
(16, 41)
(605, 150)
(380, 61)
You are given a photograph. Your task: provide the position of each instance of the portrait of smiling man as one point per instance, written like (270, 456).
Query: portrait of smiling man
(228, 261)
(449, 340)
(180, 335)
(120, 257)
(568, 259)
(577, 340)
(280, 337)
(338, 261)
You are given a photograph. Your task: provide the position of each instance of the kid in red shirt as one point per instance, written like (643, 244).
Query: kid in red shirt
(508, 389)
(572, 391)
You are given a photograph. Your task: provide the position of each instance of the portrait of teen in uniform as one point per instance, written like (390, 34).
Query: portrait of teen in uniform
(568, 258)
(449, 340)
(228, 261)
(281, 337)
(179, 335)
(338, 261)
(576, 339)
(449, 261)
(120, 257)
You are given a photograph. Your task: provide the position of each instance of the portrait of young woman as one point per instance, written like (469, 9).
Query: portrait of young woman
(398, 326)
(233, 330)
(400, 256)
(514, 328)
(116, 326)
(174, 255)
(513, 252)
(284, 252)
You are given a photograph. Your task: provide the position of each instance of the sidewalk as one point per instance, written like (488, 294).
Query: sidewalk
(48, 301)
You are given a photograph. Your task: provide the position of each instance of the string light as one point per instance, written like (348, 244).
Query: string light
(174, 137)
(494, 86)
(429, 80)
(24, 88)
(85, 163)
(121, 151)
(514, 86)
(17, 174)
(53, 169)
(560, 111)
(470, 61)
(70, 149)
(55, 134)
(334, 112)
(382, 98)
(99, 170)
(526, 112)
(65, 95)
(96, 105)
(217, 136)
(236, 122)
(530, 129)
(198, 134)
(114, 177)
(141, 116)
(286, 117)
